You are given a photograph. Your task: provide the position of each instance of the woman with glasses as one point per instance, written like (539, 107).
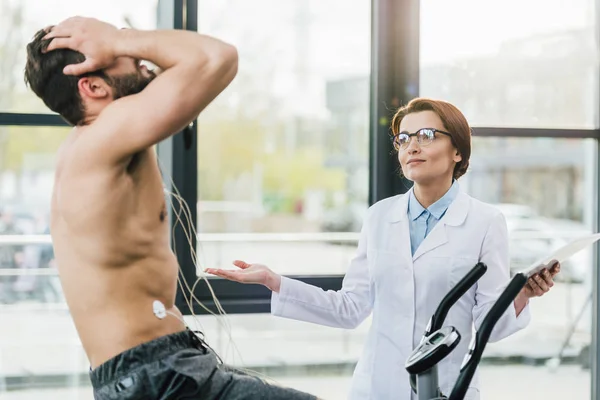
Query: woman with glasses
(413, 249)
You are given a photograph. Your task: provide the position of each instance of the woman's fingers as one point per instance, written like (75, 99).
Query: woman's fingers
(555, 269)
(535, 285)
(541, 283)
(241, 264)
(547, 277)
(223, 273)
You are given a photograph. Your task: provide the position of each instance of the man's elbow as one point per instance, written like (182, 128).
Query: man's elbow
(229, 56)
(222, 61)
(230, 61)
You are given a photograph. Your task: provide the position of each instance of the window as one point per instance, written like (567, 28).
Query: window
(27, 167)
(550, 177)
(546, 196)
(512, 63)
(20, 19)
(284, 149)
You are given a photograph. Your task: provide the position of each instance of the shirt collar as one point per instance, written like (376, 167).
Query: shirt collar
(437, 209)
(415, 209)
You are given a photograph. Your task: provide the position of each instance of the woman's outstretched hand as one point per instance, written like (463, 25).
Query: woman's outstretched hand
(249, 273)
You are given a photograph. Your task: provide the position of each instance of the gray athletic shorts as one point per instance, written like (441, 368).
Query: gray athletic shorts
(179, 366)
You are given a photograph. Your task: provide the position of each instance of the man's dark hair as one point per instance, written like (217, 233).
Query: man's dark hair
(44, 75)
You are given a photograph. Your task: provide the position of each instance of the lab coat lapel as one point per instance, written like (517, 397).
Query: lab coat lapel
(399, 236)
(436, 238)
(455, 215)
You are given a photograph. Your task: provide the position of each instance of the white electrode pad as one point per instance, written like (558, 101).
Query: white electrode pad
(159, 309)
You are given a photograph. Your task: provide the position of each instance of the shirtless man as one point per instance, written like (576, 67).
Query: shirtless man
(108, 225)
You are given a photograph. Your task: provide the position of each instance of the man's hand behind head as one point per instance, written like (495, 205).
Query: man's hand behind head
(95, 39)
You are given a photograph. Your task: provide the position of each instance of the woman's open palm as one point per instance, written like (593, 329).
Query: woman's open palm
(247, 273)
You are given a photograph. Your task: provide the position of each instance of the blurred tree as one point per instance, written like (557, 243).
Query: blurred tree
(22, 141)
(255, 135)
(230, 148)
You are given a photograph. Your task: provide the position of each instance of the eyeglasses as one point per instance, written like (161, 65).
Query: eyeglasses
(424, 137)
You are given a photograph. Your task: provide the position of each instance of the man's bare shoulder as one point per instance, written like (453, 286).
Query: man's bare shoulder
(69, 146)
(85, 152)
(66, 144)
(80, 171)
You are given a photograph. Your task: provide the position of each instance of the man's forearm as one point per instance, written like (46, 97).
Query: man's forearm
(167, 48)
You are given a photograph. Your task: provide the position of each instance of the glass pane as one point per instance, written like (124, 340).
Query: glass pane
(512, 63)
(37, 335)
(545, 188)
(20, 19)
(284, 149)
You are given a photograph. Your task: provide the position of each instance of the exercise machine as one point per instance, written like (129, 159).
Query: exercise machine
(438, 341)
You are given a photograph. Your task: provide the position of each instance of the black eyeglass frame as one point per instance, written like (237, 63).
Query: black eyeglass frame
(395, 137)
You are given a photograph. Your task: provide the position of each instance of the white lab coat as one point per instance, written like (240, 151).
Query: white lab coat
(404, 291)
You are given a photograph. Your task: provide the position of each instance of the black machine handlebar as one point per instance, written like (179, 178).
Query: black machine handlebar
(439, 316)
(483, 334)
(437, 320)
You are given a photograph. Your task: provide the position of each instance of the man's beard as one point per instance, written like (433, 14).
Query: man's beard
(126, 85)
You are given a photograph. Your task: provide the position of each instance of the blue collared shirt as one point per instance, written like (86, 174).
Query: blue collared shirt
(423, 220)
